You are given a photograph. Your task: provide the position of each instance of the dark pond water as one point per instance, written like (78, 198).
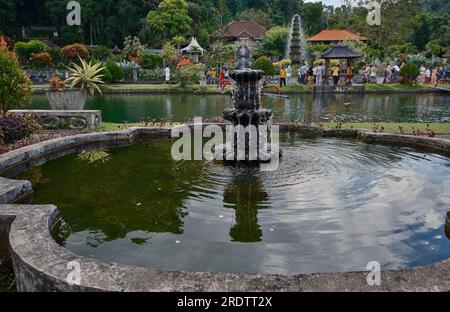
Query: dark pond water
(333, 205)
(373, 107)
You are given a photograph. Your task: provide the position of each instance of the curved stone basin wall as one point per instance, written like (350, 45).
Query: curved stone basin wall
(40, 264)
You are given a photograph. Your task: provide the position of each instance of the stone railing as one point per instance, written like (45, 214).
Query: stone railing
(64, 119)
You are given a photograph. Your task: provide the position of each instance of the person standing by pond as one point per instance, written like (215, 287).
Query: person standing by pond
(167, 73)
(213, 74)
(373, 74)
(387, 74)
(396, 72)
(427, 75)
(289, 75)
(283, 74)
(302, 74)
(319, 74)
(310, 75)
(434, 75)
(335, 74)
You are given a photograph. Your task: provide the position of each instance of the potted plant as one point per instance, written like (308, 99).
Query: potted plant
(84, 81)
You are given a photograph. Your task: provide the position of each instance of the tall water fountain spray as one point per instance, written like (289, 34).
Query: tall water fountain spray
(247, 114)
(297, 46)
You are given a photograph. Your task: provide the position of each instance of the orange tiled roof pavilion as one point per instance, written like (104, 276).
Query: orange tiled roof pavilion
(336, 35)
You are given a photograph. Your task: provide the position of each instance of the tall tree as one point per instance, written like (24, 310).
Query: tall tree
(170, 19)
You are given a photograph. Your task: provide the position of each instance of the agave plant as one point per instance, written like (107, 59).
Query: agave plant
(86, 76)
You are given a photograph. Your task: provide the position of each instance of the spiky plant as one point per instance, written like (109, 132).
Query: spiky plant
(86, 76)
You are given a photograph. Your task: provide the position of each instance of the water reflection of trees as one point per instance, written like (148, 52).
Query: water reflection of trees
(246, 195)
(360, 107)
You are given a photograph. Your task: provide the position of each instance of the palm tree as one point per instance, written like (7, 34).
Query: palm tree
(178, 41)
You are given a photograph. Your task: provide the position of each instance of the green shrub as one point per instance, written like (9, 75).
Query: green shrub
(101, 53)
(15, 86)
(263, 63)
(409, 73)
(25, 49)
(117, 73)
(56, 55)
(107, 76)
(151, 60)
(154, 75)
(187, 74)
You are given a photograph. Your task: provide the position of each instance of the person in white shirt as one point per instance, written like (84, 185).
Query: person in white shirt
(167, 72)
(289, 75)
(302, 74)
(396, 72)
(319, 75)
(315, 72)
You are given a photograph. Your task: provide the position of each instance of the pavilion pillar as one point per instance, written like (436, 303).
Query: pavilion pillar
(349, 71)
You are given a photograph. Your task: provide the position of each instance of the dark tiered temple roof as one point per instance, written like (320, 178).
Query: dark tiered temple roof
(242, 29)
(340, 52)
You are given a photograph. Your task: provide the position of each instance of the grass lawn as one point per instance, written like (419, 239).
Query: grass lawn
(396, 86)
(389, 127)
(393, 127)
(149, 87)
(117, 87)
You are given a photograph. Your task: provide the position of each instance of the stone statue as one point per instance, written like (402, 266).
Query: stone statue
(243, 57)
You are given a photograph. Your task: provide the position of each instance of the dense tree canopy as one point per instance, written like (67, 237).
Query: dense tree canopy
(407, 25)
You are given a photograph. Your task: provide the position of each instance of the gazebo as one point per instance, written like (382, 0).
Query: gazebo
(338, 52)
(194, 49)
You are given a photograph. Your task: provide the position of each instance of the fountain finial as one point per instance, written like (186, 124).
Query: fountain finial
(243, 57)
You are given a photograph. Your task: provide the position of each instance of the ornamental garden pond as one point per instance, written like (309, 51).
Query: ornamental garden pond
(93, 199)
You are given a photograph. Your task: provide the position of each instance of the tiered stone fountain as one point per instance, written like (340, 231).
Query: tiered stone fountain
(247, 111)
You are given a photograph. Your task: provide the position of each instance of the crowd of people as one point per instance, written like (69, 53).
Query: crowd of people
(316, 75)
(337, 74)
(428, 74)
(434, 74)
(215, 77)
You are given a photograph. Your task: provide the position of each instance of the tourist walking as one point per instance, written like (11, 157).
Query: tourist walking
(283, 74)
(434, 73)
(167, 73)
(289, 75)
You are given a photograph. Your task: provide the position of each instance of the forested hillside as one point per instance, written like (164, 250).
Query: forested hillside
(407, 25)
